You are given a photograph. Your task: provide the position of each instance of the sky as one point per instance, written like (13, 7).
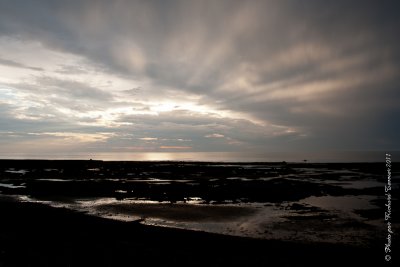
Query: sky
(199, 76)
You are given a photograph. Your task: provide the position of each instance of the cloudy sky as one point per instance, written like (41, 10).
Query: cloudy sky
(153, 76)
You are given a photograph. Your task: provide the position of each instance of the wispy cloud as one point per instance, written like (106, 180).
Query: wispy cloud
(12, 63)
(148, 138)
(215, 135)
(175, 147)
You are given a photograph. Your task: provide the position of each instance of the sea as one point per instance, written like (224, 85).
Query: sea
(314, 156)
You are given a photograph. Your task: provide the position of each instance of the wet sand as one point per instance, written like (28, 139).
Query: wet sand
(180, 212)
(310, 200)
(37, 235)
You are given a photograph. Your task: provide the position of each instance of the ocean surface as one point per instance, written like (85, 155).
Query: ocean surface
(325, 156)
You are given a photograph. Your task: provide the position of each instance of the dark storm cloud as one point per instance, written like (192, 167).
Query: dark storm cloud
(325, 72)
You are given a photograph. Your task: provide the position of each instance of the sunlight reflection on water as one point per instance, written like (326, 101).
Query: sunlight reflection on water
(326, 219)
(326, 156)
(317, 219)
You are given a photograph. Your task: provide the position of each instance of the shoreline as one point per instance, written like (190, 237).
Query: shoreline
(37, 235)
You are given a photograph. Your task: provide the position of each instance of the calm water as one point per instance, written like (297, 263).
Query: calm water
(329, 156)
